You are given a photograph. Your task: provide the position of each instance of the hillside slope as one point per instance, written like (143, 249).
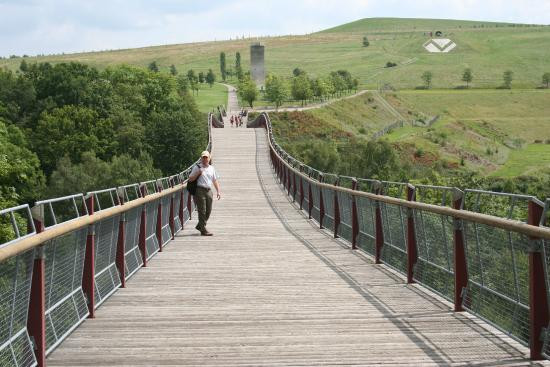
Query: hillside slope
(488, 48)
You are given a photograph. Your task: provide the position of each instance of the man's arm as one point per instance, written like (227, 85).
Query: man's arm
(195, 174)
(218, 189)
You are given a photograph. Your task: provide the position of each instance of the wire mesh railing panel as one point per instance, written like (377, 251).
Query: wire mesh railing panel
(15, 285)
(65, 303)
(328, 202)
(166, 232)
(366, 215)
(435, 249)
(305, 203)
(345, 207)
(107, 279)
(394, 251)
(64, 209)
(186, 214)
(177, 204)
(498, 284)
(132, 254)
(504, 205)
(315, 213)
(151, 241)
(14, 224)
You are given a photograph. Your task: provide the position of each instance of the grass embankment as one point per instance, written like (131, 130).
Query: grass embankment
(209, 98)
(484, 135)
(488, 48)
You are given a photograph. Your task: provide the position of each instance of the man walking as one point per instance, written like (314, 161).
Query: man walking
(207, 176)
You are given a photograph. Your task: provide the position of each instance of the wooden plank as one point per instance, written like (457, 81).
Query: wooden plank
(269, 288)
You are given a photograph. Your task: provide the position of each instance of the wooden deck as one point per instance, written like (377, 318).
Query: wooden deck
(269, 288)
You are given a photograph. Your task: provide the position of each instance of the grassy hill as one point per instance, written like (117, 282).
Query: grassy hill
(488, 48)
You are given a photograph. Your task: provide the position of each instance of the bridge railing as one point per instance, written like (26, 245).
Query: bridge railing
(485, 252)
(65, 256)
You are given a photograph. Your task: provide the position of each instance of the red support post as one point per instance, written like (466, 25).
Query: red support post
(310, 201)
(142, 229)
(354, 217)
(336, 210)
(321, 203)
(412, 251)
(36, 321)
(120, 250)
(294, 186)
(88, 275)
(171, 218)
(301, 188)
(460, 265)
(182, 204)
(379, 231)
(158, 231)
(538, 301)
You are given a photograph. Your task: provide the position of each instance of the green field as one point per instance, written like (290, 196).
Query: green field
(488, 48)
(209, 98)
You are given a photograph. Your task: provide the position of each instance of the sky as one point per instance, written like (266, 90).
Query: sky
(35, 27)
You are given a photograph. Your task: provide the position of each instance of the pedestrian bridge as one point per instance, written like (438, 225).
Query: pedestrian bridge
(386, 281)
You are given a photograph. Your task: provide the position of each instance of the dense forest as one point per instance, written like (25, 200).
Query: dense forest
(71, 128)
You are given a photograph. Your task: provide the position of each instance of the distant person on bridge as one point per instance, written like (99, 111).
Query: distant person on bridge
(207, 176)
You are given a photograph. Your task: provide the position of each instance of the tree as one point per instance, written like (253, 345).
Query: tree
(508, 76)
(338, 83)
(193, 80)
(427, 78)
(153, 67)
(238, 68)
(210, 77)
(24, 67)
(201, 77)
(298, 71)
(248, 91)
(467, 76)
(546, 79)
(319, 88)
(366, 42)
(276, 89)
(301, 88)
(355, 84)
(223, 65)
(173, 70)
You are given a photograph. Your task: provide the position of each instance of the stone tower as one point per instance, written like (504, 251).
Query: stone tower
(257, 69)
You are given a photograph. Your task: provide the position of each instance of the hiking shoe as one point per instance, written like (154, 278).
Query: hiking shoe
(206, 233)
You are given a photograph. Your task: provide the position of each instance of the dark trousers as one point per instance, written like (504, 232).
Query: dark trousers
(203, 200)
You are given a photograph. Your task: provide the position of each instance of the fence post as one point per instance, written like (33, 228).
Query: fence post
(36, 321)
(379, 228)
(158, 231)
(288, 180)
(310, 200)
(321, 202)
(171, 216)
(301, 187)
(120, 250)
(182, 204)
(88, 275)
(336, 209)
(538, 301)
(354, 216)
(142, 229)
(295, 188)
(412, 252)
(460, 265)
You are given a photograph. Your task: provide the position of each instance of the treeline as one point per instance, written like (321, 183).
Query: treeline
(70, 128)
(299, 87)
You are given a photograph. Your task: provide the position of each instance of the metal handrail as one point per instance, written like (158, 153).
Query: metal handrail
(508, 224)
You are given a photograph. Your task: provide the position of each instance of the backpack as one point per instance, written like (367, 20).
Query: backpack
(192, 185)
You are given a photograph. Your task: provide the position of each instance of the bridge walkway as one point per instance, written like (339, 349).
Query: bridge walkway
(269, 288)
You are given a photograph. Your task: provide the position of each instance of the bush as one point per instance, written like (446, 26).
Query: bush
(390, 64)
